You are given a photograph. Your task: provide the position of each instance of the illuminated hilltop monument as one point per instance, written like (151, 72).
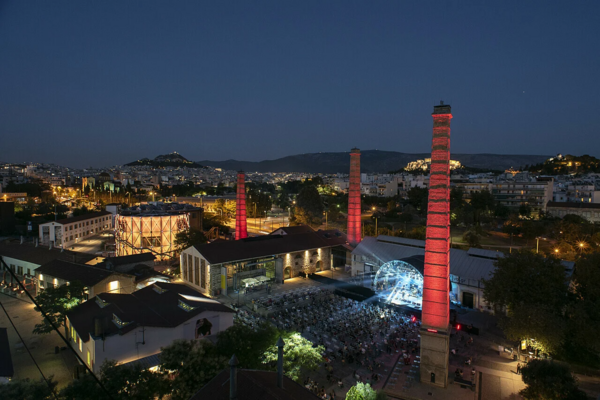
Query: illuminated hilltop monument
(241, 231)
(435, 328)
(354, 208)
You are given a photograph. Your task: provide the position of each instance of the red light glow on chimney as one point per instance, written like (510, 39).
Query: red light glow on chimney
(437, 245)
(241, 231)
(354, 208)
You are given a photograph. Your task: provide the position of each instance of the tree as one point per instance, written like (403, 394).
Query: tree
(418, 198)
(364, 391)
(247, 344)
(56, 302)
(257, 203)
(472, 237)
(483, 205)
(189, 237)
(456, 198)
(299, 356)
(547, 380)
(134, 382)
(26, 389)
(193, 363)
(533, 289)
(525, 210)
(123, 382)
(309, 206)
(584, 308)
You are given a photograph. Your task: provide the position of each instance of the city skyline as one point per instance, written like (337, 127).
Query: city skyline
(105, 84)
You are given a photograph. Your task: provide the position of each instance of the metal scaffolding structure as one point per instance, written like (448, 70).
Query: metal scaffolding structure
(154, 233)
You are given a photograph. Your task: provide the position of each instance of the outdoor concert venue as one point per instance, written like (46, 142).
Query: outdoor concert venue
(400, 282)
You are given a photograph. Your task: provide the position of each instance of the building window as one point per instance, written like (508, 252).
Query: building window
(184, 266)
(89, 358)
(20, 270)
(117, 321)
(190, 264)
(113, 286)
(80, 343)
(203, 273)
(196, 271)
(185, 306)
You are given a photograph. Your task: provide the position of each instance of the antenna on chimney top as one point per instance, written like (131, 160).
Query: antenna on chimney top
(441, 103)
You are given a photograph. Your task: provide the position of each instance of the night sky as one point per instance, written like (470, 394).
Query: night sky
(107, 82)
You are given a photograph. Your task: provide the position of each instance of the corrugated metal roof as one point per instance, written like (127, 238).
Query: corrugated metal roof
(146, 362)
(462, 264)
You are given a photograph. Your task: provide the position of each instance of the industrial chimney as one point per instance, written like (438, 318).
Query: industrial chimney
(241, 231)
(354, 207)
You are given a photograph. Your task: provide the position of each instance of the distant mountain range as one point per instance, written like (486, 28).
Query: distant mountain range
(372, 161)
(166, 160)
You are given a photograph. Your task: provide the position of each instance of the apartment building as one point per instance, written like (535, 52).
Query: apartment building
(69, 231)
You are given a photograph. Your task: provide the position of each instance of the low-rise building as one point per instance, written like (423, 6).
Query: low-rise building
(284, 254)
(589, 211)
(130, 327)
(24, 257)
(514, 194)
(467, 267)
(127, 263)
(69, 231)
(96, 280)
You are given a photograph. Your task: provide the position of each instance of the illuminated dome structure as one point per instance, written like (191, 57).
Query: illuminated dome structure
(401, 282)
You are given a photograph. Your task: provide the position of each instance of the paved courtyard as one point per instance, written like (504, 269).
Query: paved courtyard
(42, 347)
(495, 377)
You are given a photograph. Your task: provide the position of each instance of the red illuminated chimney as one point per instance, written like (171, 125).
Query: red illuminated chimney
(437, 245)
(354, 209)
(435, 327)
(240, 208)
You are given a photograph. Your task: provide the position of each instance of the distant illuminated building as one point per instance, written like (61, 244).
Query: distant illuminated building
(153, 229)
(424, 165)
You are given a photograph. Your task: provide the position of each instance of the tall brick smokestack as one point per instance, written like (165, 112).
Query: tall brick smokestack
(354, 208)
(241, 231)
(435, 330)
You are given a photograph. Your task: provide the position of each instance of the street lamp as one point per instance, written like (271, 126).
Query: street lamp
(537, 246)
(581, 246)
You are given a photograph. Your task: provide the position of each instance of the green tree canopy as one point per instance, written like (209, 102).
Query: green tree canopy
(363, 391)
(56, 302)
(26, 389)
(533, 288)
(247, 344)
(194, 363)
(310, 201)
(547, 380)
(121, 381)
(418, 198)
(299, 356)
(584, 309)
(189, 237)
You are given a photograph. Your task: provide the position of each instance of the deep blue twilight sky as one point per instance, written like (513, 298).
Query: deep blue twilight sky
(102, 83)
